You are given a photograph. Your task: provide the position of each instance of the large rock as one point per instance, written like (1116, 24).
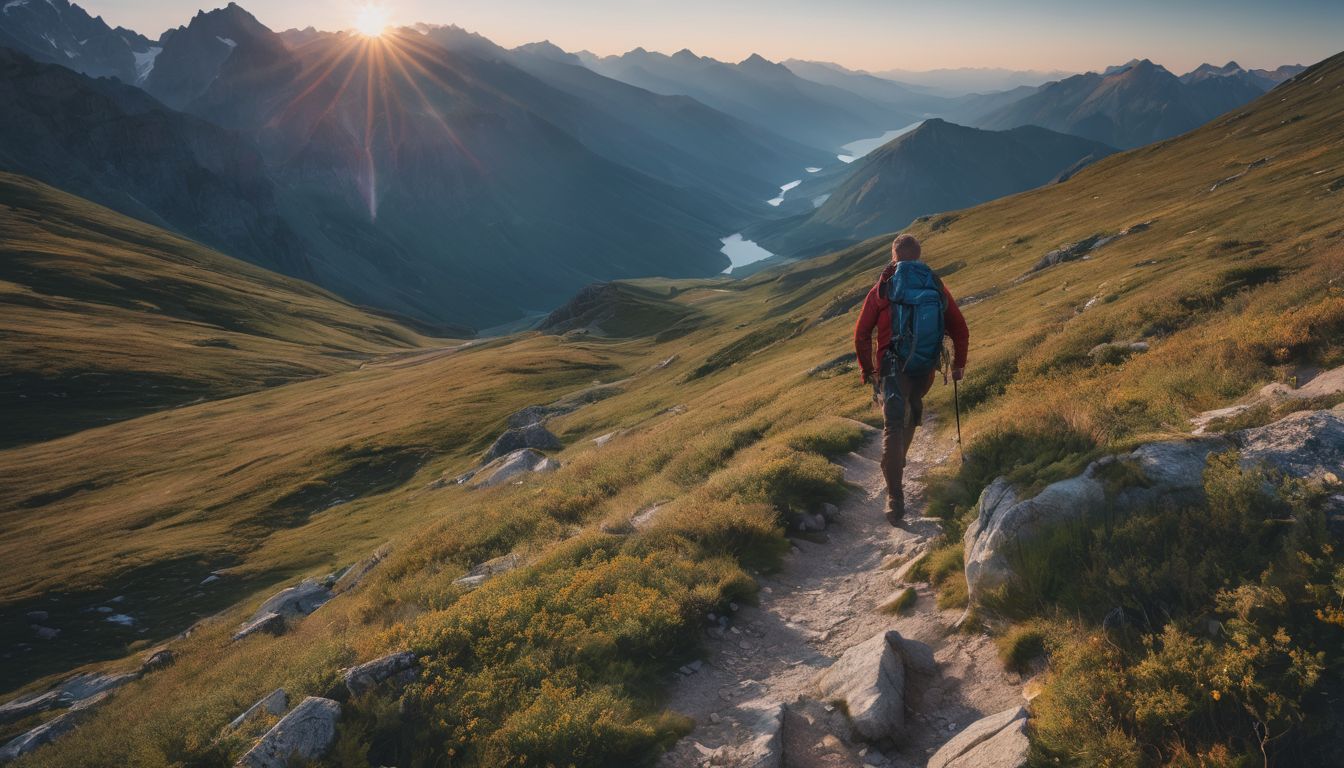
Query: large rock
(399, 668)
(51, 730)
(530, 436)
(1309, 444)
(304, 735)
(539, 414)
(273, 703)
(869, 679)
(997, 741)
(762, 746)
(506, 468)
(1005, 524)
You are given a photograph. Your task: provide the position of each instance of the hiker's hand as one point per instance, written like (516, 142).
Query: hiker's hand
(958, 374)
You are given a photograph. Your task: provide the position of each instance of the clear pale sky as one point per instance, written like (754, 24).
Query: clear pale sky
(1073, 35)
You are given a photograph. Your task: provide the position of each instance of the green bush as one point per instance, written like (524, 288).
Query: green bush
(830, 437)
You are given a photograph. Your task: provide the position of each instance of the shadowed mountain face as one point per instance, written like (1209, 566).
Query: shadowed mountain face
(115, 145)
(1127, 106)
(453, 187)
(58, 32)
(937, 167)
(760, 92)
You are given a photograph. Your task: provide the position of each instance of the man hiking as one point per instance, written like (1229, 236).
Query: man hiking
(912, 310)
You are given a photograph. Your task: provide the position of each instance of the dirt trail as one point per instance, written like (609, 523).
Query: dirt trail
(821, 603)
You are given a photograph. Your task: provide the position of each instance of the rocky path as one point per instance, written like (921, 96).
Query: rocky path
(753, 698)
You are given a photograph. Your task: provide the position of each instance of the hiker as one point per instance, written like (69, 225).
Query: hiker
(924, 312)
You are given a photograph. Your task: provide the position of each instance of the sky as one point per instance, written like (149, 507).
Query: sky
(1067, 35)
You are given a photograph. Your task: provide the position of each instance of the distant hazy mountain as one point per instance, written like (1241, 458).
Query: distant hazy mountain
(937, 167)
(760, 92)
(672, 138)
(879, 89)
(1262, 79)
(57, 32)
(113, 144)
(1126, 106)
(964, 80)
(454, 199)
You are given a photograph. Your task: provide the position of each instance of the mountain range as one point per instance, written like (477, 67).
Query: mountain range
(939, 166)
(1133, 104)
(434, 174)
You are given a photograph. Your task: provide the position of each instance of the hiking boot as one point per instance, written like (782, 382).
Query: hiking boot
(895, 512)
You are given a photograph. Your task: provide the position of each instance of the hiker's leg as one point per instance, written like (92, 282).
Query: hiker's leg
(895, 417)
(917, 390)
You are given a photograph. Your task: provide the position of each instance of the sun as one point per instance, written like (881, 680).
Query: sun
(371, 20)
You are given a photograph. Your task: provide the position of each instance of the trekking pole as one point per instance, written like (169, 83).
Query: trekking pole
(956, 406)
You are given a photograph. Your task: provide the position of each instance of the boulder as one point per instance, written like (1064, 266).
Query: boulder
(1004, 524)
(539, 414)
(297, 601)
(810, 522)
(490, 568)
(399, 668)
(51, 730)
(1116, 351)
(533, 436)
(273, 703)
(1308, 444)
(997, 741)
(869, 679)
(303, 735)
(270, 623)
(513, 465)
(157, 659)
(27, 706)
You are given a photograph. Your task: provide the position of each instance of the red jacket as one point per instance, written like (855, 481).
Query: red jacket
(877, 314)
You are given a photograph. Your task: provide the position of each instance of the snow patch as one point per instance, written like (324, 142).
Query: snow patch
(122, 619)
(812, 169)
(820, 200)
(144, 63)
(14, 4)
(226, 41)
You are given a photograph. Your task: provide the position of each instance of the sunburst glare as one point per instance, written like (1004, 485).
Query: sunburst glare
(372, 20)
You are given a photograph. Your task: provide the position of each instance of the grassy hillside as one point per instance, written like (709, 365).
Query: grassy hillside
(1229, 266)
(105, 318)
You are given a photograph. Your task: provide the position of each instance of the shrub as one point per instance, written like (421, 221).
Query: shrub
(1021, 645)
(828, 437)
(789, 481)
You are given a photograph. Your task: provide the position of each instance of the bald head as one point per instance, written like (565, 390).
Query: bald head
(905, 248)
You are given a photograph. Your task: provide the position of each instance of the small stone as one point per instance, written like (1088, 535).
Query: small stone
(714, 718)
(733, 607)
(44, 633)
(37, 617)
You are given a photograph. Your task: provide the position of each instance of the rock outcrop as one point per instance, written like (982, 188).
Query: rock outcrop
(273, 703)
(303, 735)
(508, 468)
(52, 729)
(997, 741)
(398, 668)
(287, 604)
(533, 436)
(1309, 445)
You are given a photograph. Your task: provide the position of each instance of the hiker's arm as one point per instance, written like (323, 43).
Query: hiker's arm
(956, 328)
(863, 334)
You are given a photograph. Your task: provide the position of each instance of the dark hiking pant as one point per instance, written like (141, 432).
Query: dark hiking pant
(902, 411)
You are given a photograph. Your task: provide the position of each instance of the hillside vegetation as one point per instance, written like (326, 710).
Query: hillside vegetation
(1221, 249)
(105, 318)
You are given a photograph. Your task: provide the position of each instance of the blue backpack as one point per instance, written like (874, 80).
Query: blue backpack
(917, 307)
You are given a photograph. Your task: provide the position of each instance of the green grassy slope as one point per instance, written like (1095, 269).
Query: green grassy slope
(105, 318)
(1234, 282)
